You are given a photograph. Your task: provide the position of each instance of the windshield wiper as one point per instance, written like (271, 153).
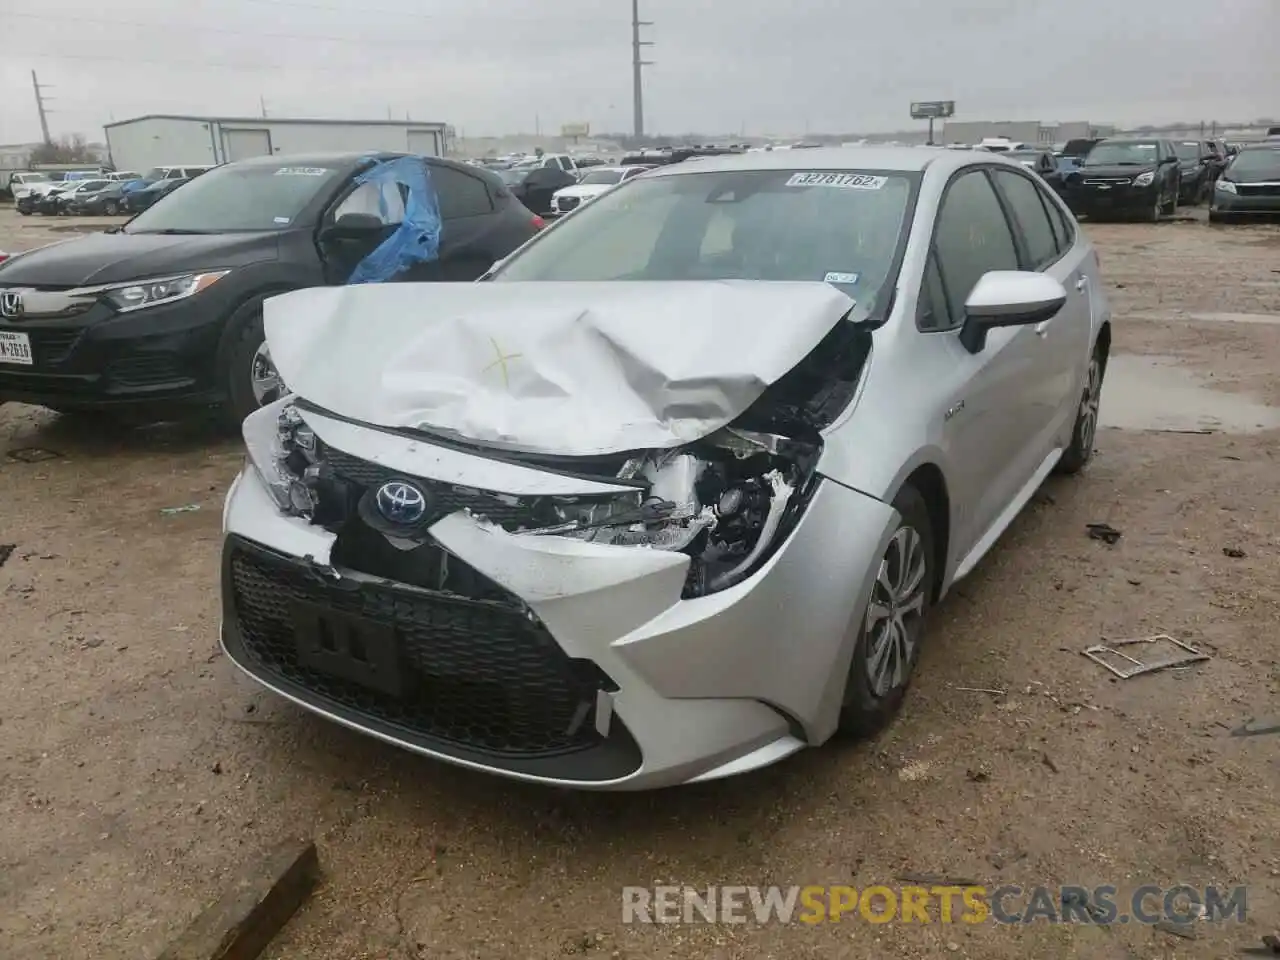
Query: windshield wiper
(174, 232)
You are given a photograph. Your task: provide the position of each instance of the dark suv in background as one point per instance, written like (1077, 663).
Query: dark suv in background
(168, 308)
(1126, 177)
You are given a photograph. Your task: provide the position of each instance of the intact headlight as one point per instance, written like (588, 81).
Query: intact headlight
(281, 450)
(1144, 179)
(150, 293)
(1226, 186)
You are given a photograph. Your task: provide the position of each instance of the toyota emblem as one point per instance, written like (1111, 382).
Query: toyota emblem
(10, 304)
(401, 502)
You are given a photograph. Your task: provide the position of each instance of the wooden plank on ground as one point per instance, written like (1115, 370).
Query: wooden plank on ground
(256, 905)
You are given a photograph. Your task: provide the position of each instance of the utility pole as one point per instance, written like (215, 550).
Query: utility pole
(262, 104)
(40, 98)
(638, 63)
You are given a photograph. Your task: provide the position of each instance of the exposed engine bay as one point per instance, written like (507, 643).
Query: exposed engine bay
(726, 500)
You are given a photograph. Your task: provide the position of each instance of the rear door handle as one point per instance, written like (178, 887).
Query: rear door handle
(1082, 283)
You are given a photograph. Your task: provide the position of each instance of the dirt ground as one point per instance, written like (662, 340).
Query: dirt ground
(138, 770)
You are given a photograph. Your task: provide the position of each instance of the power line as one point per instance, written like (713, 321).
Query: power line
(212, 64)
(208, 29)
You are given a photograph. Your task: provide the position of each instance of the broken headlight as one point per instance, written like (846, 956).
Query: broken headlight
(282, 451)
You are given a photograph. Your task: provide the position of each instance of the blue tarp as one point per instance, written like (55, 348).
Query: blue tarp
(417, 239)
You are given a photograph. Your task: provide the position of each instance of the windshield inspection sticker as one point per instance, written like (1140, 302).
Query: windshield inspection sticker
(848, 181)
(301, 172)
(840, 278)
(280, 219)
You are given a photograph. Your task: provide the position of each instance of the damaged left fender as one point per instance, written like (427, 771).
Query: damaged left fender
(621, 606)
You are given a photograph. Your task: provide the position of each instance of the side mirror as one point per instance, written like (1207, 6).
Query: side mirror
(1008, 298)
(353, 226)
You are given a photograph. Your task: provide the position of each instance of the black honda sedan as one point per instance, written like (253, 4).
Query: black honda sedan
(167, 310)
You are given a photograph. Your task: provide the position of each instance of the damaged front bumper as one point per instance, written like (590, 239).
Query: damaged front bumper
(563, 661)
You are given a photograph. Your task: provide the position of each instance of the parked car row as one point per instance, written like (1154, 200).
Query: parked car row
(80, 192)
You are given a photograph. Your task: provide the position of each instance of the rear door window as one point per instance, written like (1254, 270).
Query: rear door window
(1032, 219)
(459, 194)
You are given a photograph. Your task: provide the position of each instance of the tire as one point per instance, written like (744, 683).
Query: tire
(110, 208)
(1153, 215)
(1171, 207)
(1085, 430)
(872, 696)
(1216, 216)
(245, 338)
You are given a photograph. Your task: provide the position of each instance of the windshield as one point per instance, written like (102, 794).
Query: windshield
(88, 186)
(842, 227)
(602, 176)
(1023, 155)
(1263, 164)
(32, 178)
(1187, 150)
(236, 198)
(157, 173)
(1122, 153)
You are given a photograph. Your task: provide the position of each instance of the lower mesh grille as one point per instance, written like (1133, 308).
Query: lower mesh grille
(480, 674)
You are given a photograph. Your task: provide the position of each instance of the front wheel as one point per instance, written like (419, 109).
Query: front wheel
(111, 208)
(889, 637)
(1080, 451)
(250, 377)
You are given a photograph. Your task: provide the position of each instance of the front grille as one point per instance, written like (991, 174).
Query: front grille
(567, 203)
(482, 675)
(1258, 189)
(144, 370)
(1107, 181)
(504, 510)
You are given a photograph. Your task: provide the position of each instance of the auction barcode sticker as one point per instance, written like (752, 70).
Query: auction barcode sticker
(849, 181)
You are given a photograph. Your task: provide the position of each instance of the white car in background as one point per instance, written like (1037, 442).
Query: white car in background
(595, 181)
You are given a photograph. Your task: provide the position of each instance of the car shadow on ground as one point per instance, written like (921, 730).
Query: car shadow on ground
(32, 433)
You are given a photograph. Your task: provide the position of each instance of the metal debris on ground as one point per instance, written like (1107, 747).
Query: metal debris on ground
(187, 508)
(1182, 656)
(991, 690)
(1234, 552)
(6, 551)
(1104, 532)
(32, 455)
(1256, 728)
(1187, 931)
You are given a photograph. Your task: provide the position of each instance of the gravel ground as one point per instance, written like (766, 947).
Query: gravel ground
(138, 770)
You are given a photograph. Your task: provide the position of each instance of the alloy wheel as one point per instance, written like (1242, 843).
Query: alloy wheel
(895, 611)
(263, 377)
(1089, 406)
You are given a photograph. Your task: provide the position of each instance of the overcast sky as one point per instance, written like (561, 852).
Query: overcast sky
(759, 66)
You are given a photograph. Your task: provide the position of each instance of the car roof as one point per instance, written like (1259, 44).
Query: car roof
(852, 159)
(335, 158)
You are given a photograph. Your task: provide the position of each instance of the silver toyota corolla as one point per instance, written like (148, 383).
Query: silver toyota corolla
(669, 495)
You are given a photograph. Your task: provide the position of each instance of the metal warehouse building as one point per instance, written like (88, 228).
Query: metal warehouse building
(165, 140)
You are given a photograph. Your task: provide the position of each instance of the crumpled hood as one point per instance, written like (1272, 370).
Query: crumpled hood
(575, 369)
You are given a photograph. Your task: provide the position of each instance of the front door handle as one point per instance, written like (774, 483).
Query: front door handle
(1082, 283)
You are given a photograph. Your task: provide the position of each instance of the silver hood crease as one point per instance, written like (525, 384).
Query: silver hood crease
(575, 369)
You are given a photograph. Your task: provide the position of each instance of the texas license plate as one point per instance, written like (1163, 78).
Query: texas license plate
(15, 348)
